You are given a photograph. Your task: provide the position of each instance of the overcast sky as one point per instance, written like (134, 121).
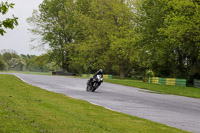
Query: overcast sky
(19, 38)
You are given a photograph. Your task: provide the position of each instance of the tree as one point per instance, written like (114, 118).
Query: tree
(29, 59)
(123, 53)
(8, 54)
(9, 22)
(105, 37)
(150, 17)
(40, 63)
(170, 36)
(17, 64)
(3, 65)
(182, 36)
(54, 22)
(13, 60)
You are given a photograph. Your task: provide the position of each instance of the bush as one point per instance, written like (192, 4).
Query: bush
(3, 65)
(149, 73)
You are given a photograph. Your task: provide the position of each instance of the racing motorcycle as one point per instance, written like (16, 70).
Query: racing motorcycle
(95, 83)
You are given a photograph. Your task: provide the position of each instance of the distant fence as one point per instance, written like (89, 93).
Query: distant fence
(167, 81)
(196, 83)
(90, 75)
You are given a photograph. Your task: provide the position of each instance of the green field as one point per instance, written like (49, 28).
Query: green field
(27, 109)
(166, 89)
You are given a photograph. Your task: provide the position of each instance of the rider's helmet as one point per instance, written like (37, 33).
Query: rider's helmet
(100, 70)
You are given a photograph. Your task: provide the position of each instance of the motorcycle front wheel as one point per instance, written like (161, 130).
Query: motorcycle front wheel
(94, 87)
(88, 88)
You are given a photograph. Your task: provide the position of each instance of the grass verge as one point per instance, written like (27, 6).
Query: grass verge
(27, 72)
(166, 89)
(28, 109)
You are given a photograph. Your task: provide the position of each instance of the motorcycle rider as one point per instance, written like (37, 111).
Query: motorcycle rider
(99, 72)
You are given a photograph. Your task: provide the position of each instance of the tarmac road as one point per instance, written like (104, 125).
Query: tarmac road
(176, 111)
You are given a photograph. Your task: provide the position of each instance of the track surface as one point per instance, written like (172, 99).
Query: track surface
(176, 111)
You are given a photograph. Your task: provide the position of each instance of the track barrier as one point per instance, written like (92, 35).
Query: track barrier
(167, 81)
(90, 75)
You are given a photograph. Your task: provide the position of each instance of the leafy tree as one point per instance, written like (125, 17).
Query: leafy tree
(9, 22)
(52, 66)
(55, 23)
(181, 29)
(3, 65)
(13, 60)
(29, 59)
(84, 35)
(150, 17)
(123, 49)
(170, 36)
(42, 62)
(122, 36)
(17, 64)
(105, 37)
(9, 54)
(38, 63)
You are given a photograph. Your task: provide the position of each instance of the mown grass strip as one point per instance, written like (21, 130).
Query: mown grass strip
(28, 109)
(167, 89)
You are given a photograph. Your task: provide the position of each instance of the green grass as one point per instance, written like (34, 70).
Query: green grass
(166, 89)
(27, 72)
(28, 109)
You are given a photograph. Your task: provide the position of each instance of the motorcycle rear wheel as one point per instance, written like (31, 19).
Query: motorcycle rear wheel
(94, 87)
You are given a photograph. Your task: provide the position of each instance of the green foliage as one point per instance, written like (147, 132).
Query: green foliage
(3, 65)
(13, 60)
(9, 54)
(16, 64)
(150, 18)
(170, 36)
(30, 65)
(149, 73)
(122, 36)
(55, 23)
(10, 60)
(106, 37)
(38, 63)
(182, 35)
(83, 36)
(8, 22)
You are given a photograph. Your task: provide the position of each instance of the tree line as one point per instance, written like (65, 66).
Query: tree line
(10, 60)
(123, 37)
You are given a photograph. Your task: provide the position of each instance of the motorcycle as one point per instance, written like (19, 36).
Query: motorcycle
(94, 84)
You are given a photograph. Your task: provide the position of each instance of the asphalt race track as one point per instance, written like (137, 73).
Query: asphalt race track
(176, 111)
